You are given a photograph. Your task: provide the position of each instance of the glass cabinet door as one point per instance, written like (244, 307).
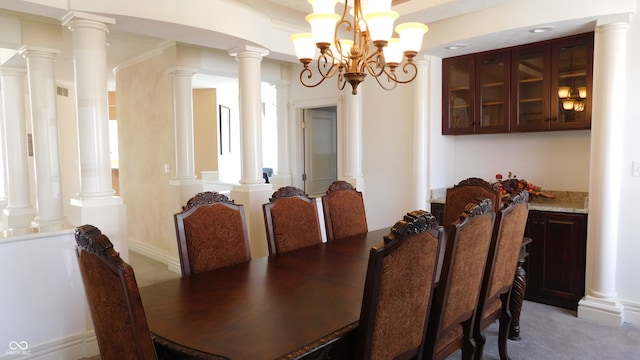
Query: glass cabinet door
(572, 61)
(530, 69)
(492, 78)
(457, 95)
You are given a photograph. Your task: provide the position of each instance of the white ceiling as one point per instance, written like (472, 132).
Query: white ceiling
(131, 37)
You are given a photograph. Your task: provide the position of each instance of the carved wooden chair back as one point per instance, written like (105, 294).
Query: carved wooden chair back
(499, 272)
(398, 289)
(344, 213)
(465, 192)
(456, 297)
(212, 233)
(114, 301)
(291, 220)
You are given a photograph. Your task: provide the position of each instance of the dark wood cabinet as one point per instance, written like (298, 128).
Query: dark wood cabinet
(551, 85)
(555, 266)
(437, 210)
(557, 258)
(478, 94)
(536, 87)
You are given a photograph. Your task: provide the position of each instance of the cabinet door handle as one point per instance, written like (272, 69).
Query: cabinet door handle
(541, 223)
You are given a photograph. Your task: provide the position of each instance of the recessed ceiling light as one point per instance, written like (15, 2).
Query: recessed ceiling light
(455, 47)
(542, 29)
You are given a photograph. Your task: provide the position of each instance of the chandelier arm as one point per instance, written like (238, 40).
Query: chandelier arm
(309, 76)
(373, 62)
(407, 68)
(392, 81)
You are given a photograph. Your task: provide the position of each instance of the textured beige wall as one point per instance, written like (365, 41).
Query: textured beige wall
(146, 144)
(205, 130)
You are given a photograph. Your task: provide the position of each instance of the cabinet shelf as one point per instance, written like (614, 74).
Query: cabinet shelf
(523, 101)
(525, 81)
(493, 84)
(573, 75)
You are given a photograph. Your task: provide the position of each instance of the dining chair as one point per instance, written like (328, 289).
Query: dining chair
(212, 233)
(114, 302)
(455, 299)
(399, 284)
(466, 191)
(344, 213)
(291, 220)
(502, 261)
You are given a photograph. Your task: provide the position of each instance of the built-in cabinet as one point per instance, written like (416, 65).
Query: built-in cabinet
(557, 258)
(555, 266)
(536, 87)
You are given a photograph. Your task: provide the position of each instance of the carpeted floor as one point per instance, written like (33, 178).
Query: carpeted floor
(547, 332)
(552, 333)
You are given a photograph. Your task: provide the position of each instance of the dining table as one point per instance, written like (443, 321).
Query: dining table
(301, 304)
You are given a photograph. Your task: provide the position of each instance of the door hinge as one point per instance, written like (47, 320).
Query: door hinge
(304, 177)
(303, 124)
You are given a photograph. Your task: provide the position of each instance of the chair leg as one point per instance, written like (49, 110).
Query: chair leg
(503, 332)
(480, 340)
(468, 347)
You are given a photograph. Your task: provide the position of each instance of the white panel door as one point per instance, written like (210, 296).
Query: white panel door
(320, 138)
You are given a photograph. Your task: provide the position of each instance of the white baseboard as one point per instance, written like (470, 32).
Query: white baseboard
(173, 263)
(602, 311)
(631, 313)
(72, 347)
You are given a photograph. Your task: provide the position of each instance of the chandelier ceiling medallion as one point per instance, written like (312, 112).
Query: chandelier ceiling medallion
(370, 48)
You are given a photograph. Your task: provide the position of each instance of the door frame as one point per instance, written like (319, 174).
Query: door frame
(297, 150)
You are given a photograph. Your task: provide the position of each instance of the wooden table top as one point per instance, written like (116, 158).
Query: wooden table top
(268, 308)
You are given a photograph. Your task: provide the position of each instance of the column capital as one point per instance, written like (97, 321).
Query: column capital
(614, 20)
(36, 51)
(422, 60)
(248, 50)
(76, 19)
(181, 71)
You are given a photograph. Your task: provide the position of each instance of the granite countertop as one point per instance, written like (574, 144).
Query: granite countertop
(565, 201)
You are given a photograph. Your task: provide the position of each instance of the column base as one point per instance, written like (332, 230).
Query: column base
(13, 218)
(601, 311)
(188, 189)
(109, 214)
(49, 225)
(280, 180)
(252, 196)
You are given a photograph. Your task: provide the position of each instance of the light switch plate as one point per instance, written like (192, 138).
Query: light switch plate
(635, 168)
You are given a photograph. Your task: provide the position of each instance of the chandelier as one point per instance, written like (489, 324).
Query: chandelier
(369, 48)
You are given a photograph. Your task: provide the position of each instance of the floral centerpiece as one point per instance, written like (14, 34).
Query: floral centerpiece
(512, 184)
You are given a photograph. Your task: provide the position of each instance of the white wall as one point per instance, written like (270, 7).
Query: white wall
(43, 301)
(553, 160)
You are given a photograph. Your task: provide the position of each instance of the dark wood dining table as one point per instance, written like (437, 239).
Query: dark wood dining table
(292, 305)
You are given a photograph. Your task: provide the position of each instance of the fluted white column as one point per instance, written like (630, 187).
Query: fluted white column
(90, 59)
(183, 122)
(249, 60)
(421, 134)
(19, 212)
(353, 140)
(283, 172)
(44, 118)
(607, 130)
